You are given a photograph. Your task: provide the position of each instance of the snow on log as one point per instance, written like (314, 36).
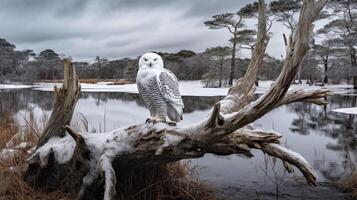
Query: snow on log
(351, 111)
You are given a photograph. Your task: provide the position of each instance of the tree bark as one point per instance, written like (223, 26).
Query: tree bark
(233, 61)
(220, 73)
(354, 65)
(65, 100)
(93, 164)
(325, 70)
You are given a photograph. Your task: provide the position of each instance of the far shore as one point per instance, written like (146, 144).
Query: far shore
(187, 88)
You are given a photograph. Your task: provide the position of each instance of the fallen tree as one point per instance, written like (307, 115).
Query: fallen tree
(92, 164)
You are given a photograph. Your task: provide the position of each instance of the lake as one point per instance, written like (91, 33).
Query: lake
(326, 139)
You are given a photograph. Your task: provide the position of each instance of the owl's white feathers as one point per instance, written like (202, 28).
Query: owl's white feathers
(159, 89)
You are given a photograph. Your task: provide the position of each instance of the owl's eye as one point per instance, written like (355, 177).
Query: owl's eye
(145, 59)
(155, 59)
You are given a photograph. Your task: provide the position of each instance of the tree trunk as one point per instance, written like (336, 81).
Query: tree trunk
(64, 103)
(90, 164)
(354, 65)
(325, 70)
(233, 61)
(299, 75)
(220, 74)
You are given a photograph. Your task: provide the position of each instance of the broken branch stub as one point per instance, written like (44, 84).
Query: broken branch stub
(65, 100)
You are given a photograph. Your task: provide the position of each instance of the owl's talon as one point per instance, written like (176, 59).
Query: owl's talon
(149, 120)
(154, 120)
(157, 120)
(171, 123)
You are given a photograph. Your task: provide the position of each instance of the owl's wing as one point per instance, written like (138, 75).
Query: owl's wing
(141, 90)
(144, 95)
(169, 89)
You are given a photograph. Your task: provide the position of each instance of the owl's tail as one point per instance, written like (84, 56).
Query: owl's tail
(174, 112)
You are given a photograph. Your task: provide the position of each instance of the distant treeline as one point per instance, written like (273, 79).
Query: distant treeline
(211, 66)
(26, 66)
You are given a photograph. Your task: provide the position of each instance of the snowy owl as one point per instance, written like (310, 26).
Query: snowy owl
(159, 89)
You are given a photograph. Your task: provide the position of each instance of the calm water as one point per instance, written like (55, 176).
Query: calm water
(326, 139)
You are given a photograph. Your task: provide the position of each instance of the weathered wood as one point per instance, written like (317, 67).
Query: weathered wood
(88, 159)
(241, 93)
(65, 100)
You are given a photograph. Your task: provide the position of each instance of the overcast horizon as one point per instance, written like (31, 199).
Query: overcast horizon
(84, 29)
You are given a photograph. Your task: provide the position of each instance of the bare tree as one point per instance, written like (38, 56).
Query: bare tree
(247, 36)
(233, 22)
(218, 55)
(80, 161)
(247, 39)
(344, 25)
(99, 62)
(323, 51)
(286, 11)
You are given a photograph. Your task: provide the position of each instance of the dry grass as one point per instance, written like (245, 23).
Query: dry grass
(93, 81)
(8, 128)
(349, 185)
(12, 186)
(172, 181)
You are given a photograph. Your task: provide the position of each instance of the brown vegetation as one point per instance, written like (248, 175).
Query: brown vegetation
(12, 186)
(171, 181)
(7, 129)
(349, 185)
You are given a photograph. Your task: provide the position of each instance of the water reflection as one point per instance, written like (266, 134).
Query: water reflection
(15, 100)
(324, 138)
(342, 128)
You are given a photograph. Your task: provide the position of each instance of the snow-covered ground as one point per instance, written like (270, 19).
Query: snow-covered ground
(352, 110)
(336, 89)
(187, 88)
(14, 86)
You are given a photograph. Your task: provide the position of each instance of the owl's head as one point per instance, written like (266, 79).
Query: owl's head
(150, 61)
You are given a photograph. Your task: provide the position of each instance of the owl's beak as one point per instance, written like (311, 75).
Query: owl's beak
(150, 64)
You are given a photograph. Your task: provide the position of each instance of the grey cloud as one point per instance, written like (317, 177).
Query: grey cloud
(112, 28)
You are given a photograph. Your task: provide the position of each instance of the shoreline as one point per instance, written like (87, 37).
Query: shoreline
(187, 88)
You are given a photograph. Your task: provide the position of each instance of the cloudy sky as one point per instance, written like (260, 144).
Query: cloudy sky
(84, 29)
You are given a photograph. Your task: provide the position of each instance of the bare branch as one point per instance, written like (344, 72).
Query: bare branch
(292, 158)
(295, 55)
(242, 91)
(316, 96)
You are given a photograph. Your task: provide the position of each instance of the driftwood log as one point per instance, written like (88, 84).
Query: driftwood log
(88, 163)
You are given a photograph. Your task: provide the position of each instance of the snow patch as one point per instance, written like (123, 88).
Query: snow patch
(14, 86)
(62, 149)
(23, 145)
(189, 88)
(296, 156)
(352, 110)
(170, 140)
(8, 154)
